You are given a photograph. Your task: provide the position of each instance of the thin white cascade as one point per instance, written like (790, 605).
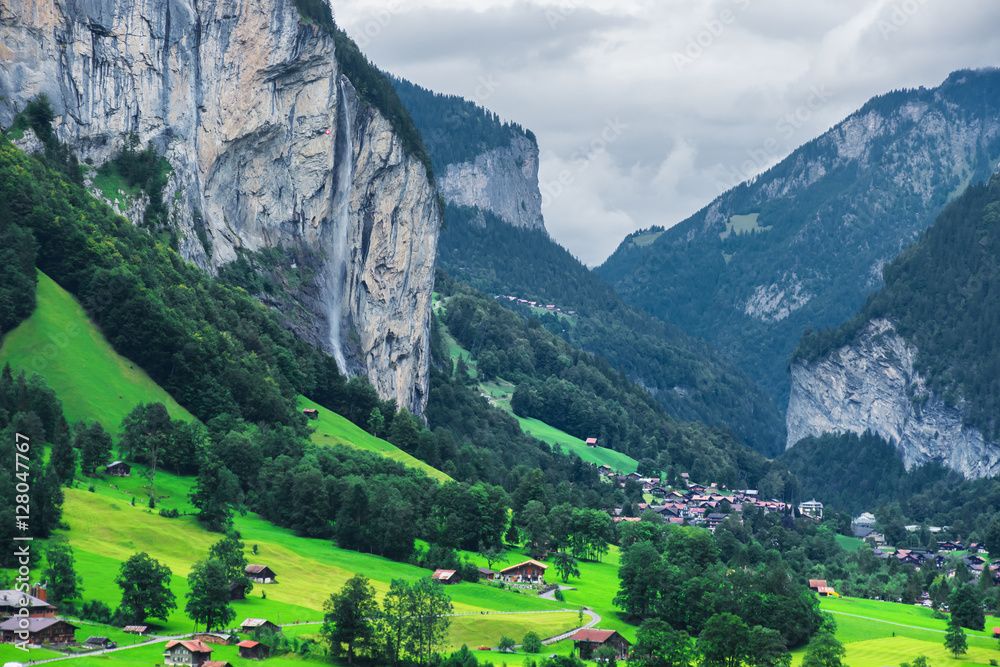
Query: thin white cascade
(336, 238)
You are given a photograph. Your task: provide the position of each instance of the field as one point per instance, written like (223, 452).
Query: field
(333, 429)
(643, 240)
(93, 381)
(742, 224)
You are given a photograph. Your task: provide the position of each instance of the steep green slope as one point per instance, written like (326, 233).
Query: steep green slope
(93, 381)
(827, 218)
(499, 393)
(332, 429)
(583, 395)
(943, 292)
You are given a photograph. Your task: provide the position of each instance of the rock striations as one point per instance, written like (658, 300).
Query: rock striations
(244, 100)
(872, 385)
(502, 180)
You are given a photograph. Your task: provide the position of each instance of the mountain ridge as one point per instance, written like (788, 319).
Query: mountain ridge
(803, 243)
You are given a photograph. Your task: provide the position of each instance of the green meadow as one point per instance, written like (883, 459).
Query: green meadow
(93, 381)
(333, 429)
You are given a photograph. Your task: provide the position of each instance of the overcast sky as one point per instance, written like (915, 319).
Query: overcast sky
(646, 110)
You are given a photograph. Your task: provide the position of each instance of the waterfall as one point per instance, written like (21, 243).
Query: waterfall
(336, 236)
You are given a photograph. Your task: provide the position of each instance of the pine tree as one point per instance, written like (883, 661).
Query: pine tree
(954, 640)
(63, 456)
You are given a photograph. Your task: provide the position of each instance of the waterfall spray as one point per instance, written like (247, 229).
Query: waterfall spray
(336, 236)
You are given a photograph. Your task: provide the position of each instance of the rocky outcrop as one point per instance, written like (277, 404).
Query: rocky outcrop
(872, 385)
(244, 100)
(502, 180)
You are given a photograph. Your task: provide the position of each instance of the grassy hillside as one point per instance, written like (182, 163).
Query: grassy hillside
(333, 429)
(92, 380)
(499, 393)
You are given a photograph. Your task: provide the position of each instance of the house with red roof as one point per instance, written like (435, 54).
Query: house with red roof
(588, 640)
(187, 652)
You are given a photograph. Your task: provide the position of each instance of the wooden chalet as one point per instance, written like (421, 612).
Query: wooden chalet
(212, 638)
(820, 586)
(251, 624)
(588, 640)
(591, 442)
(187, 652)
(311, 413)
(261, 574)
(251, 650)
(604, 469)
(12, 601)
(530, 571)
(118, 469)
(40, 630)
(996, 633)
(135, 629)
(446, 576)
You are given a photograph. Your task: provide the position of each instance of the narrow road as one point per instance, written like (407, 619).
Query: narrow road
(551, 595)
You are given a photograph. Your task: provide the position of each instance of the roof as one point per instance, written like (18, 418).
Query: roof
(13, 598)
(443, 575)
(527, 562)
(97, 640)
(134, 628)
(255, 622)
(214, 663)
(593, 635)
(591, 441)
(115, 463)
(34, 624)
(817, 583)
(256, 569)
(193, 645)
(247, 643)
(486, 570)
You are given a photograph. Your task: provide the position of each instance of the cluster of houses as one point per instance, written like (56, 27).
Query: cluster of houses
(27, 619)
(699, 505)
(535, 304)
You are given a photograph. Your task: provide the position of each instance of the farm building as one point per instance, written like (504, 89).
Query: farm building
(486, 574)
(118, 469)
(819, 585)
(251, 624)
(446, 576)
(592, 442)
(39, 631)
(237, 590)
(135, 629)
(99, 642)
(251, 650)
(212, 638)
(311, 413)
(261, 574)
(589, 640)
(188, 652)
(530, 571)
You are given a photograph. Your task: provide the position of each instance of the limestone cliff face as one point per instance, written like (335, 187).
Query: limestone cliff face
(502, 180)
(247, 103)
(872, 385)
